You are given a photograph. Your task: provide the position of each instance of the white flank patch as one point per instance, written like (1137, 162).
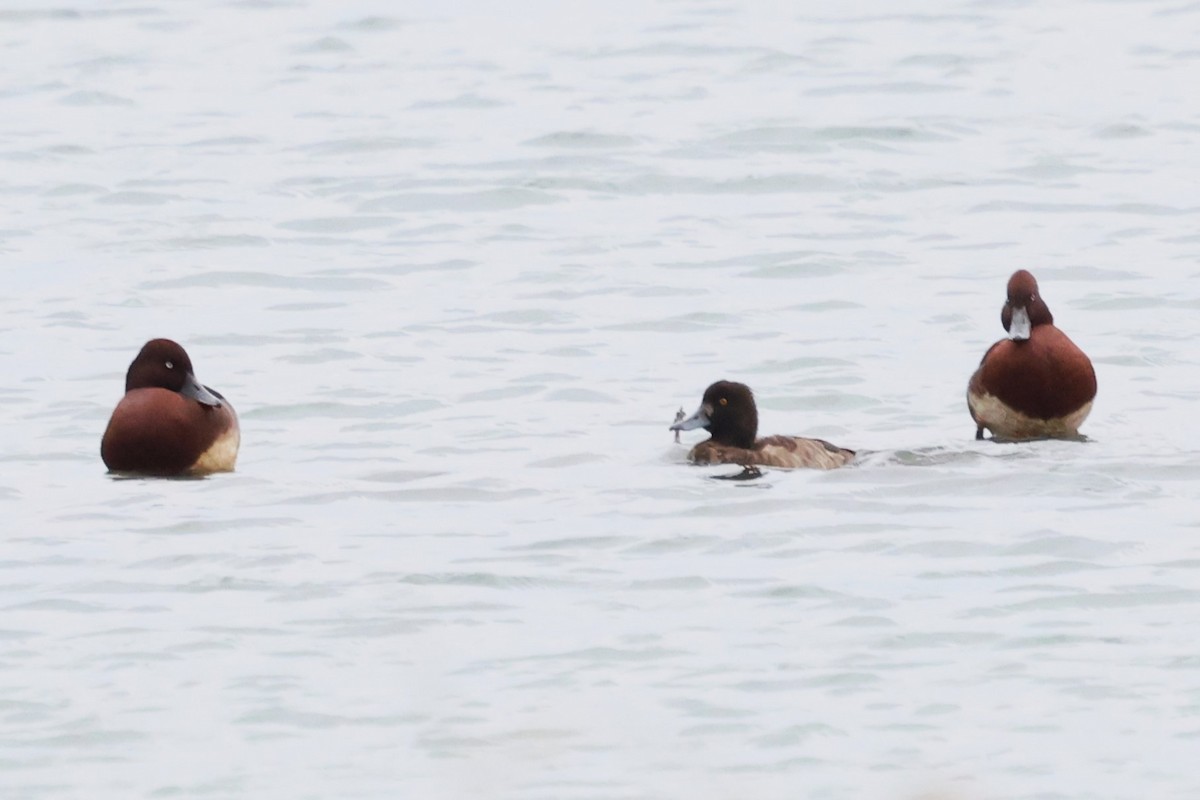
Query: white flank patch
(222, 455)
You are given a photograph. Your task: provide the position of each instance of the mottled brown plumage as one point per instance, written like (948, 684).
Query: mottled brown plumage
(774, 451)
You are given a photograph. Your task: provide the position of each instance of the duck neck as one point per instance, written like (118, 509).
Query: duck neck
(735, 432)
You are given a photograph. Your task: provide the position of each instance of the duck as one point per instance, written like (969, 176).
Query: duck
(728, 412)
(1036, 383)
(168, 423)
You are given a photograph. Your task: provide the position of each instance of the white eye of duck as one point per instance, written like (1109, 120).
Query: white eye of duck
(170, 365)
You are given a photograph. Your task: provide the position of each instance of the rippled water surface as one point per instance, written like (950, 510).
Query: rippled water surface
(457, 266)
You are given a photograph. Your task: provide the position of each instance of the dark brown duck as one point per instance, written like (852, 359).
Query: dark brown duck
(728, 412)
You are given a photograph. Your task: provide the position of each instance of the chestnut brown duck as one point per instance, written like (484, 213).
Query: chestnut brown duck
(168, 423)
(1036, 383)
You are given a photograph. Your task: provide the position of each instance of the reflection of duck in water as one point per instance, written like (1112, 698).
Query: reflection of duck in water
(679, 415)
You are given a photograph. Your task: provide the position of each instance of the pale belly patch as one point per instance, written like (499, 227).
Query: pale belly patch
(1008, 423)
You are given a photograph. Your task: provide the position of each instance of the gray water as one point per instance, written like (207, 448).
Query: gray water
(458, 265)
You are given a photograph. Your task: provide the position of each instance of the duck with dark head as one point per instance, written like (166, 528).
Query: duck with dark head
(728, 412)
(1036, 383)
(168, 423)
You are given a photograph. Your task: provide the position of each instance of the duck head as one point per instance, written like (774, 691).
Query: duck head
(164, 364)
(1024, 307)
(727, 411)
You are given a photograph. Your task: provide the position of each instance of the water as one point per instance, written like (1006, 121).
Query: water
(458, 267)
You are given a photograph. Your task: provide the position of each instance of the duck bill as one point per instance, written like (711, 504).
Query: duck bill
(698, 420)
(1020, 327)
(201, 394)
